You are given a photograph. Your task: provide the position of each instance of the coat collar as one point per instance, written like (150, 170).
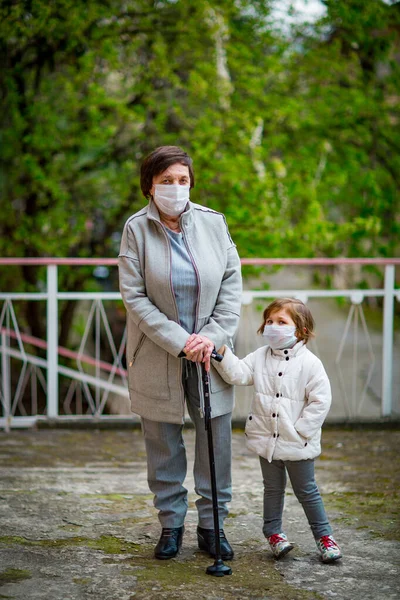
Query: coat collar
(186, 218)
(297, 349)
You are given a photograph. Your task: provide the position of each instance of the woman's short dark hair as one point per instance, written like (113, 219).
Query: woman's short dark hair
(158, 161)
(299, 312)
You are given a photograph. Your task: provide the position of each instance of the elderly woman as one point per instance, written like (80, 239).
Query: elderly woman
(180, 281)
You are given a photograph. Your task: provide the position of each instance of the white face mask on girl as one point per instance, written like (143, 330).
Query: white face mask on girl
(171, 199)
(280, 336)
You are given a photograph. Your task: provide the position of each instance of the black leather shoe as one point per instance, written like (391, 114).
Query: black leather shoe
(206, 541)
(169, 543)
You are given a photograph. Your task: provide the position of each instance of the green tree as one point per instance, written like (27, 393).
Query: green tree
(327, 151)
(347, 84)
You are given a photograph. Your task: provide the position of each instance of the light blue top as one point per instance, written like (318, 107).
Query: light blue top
(184, 281)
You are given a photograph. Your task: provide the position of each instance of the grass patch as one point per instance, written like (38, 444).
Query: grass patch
(253, 576)
(13, 576)
(106, 543)
(110, 497)
(82, 580)
(377, 512)
(364, 463)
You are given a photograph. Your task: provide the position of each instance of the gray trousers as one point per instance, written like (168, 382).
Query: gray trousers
(302, 478)
(167, 464)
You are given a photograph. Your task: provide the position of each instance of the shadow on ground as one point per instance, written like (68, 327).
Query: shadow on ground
(77, 522)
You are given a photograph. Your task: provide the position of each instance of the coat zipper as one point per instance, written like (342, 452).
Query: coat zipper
(140, 344)
(176, 312)
(199, 370)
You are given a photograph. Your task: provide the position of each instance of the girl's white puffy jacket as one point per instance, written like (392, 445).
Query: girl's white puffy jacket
(292, 396)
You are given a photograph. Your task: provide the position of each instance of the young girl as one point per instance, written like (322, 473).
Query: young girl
(292, 398)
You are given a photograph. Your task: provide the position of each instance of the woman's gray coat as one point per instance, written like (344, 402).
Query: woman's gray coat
(155, 337)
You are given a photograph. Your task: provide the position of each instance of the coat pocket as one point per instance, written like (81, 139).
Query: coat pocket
(217, 384)
(303, 440)
(258, 426)
(148, 370)
(137, 349)
(290, 434)
(258, 435)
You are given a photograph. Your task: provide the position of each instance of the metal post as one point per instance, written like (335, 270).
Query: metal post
(355, 363)
(52, 341)
(97, 368)
(387, 354)
(5, 380)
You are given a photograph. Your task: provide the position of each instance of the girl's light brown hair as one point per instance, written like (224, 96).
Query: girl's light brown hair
(298, 311)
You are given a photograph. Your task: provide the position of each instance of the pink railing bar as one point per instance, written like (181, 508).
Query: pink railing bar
(62, 351)
(37, 262)
(245, 261)
(320, 261)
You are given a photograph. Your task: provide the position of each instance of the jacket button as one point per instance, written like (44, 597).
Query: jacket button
(250, 418)
(277, 435)
(274, 434)
(287, 358)
(273, 414)
(285, 351)
(305, 444)
(280, 374)
(277, 395)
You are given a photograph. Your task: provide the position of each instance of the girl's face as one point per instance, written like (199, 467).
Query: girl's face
(280, 317)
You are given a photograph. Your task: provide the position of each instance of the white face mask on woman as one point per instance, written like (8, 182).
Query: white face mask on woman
(280, 336)
(171, 199)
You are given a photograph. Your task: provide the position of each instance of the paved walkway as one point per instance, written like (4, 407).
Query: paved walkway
(77, 522)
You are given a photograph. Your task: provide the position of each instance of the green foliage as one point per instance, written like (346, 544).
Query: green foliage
(294, 137)
(90, 88)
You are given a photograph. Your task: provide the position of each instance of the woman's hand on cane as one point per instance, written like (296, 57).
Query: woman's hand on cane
(198, 349)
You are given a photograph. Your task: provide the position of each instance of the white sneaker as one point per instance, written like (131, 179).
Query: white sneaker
(328, 549)
(279, 544)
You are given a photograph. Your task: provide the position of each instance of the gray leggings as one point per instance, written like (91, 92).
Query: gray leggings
(302, 478)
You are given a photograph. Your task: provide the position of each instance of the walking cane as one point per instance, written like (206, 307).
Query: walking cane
(218, 569)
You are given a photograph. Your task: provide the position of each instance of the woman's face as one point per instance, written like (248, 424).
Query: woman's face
(176, 174)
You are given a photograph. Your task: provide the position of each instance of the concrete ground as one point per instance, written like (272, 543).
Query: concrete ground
(77, 522)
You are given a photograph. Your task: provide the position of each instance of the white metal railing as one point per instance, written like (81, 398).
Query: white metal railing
(91, 387)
